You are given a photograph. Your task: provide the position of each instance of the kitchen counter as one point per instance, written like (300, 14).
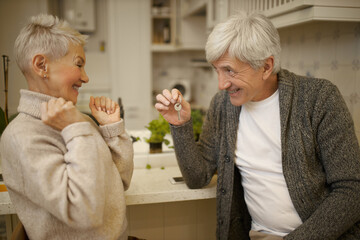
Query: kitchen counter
(153, 186)
(6, 206)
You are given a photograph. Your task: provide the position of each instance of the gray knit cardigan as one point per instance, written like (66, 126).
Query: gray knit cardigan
(320, 157)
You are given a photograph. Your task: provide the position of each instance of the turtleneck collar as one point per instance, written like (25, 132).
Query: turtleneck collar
(30, 102)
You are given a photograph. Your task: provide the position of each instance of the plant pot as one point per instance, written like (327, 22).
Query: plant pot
(156, 147)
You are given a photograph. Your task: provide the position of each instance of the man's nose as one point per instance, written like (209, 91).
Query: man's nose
(223, 82)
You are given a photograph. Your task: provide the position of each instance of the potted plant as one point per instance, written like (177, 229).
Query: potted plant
(158, 128)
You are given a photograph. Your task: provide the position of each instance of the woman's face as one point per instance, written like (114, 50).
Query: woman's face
(67, 74)
(242, 82)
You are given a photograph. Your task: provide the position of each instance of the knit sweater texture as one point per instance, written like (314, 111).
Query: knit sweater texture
(320, 158)
(66, 184)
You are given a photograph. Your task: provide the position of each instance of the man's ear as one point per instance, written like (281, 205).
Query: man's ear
(39, 65)
(268, 67)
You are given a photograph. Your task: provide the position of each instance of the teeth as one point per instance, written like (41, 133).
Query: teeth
(76, 87)
(233, 91)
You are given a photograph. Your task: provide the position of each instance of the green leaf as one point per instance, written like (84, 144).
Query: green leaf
(167, 142)
(159, 128)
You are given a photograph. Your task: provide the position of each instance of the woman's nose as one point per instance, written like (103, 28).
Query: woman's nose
(84, 77)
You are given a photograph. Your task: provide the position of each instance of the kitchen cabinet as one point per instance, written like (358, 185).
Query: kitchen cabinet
(192, 33)
(174, 28)
(191, 20)
(217, 11)
(163, 25)
(80, 14)
(285, 13)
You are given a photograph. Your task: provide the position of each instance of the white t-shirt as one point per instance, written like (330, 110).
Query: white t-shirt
(258, 157)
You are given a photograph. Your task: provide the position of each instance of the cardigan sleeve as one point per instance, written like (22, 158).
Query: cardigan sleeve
(197, 161)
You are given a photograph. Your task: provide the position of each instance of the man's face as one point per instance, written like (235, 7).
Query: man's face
(242, 82)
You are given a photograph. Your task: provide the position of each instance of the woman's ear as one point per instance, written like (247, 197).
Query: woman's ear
(268, 67)
(39, 65)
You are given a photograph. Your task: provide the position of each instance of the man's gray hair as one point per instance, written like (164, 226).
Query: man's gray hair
(250, 37)
(45, 34)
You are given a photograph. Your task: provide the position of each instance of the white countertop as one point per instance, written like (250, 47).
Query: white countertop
(153, 186)
(6, 206)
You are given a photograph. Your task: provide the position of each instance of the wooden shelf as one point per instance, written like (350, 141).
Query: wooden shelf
(161, 16)
(163, 48)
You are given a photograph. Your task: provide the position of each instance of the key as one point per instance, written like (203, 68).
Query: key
(177, 107)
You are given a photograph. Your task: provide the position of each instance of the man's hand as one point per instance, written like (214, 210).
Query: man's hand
(59, 113)
(165, 105)
(104, 110)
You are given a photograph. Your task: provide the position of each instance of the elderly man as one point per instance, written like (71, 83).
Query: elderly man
(283, 145)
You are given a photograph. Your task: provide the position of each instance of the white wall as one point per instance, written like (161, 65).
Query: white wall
(328, 50)
(97, 59)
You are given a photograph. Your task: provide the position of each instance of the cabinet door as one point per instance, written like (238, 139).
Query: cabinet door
(191, 23)
(163, 25)
(80, 14)
(217, 11)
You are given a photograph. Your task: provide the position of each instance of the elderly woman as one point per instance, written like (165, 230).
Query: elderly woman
(65, 175)
(284, 145)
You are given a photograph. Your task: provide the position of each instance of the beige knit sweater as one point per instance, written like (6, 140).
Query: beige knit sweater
(68, 184)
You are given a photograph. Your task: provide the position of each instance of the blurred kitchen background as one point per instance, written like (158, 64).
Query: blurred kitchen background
(139, 47)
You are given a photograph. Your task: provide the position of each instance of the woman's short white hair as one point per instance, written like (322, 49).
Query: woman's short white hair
(250, 37)
(45, 34)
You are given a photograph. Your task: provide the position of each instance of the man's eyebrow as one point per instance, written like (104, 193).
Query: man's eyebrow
(227, 67)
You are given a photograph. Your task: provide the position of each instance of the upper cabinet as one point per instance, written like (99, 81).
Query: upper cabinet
(185, 24)
(285, 13)
(80, 14)
(174, 28)
(217, 11)
(163, 24)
